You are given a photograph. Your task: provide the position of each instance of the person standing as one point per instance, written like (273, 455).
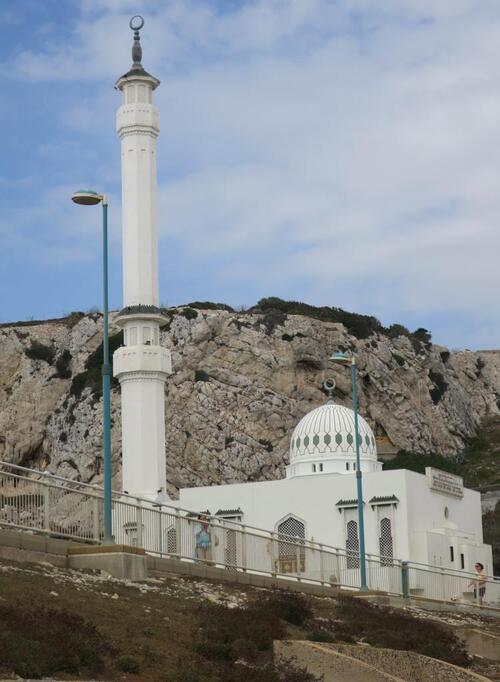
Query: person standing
(202, 538)
(479, 583)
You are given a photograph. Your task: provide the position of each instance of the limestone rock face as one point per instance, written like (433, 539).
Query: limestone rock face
(241, 382)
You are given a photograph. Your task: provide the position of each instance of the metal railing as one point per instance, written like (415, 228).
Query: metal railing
(452, 585)
(40, 502)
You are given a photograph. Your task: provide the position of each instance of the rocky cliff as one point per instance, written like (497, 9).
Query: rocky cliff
(240, 384)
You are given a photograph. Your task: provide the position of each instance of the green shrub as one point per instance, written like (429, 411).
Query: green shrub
(399, 359)
(293, 607)
(423, 335)
(30, 642)
(440, 386)
(396, 330)
(63, 370)
(395, 629)
(38, 351)
(360, 326)
(273, 318)
(189, 313)
(491, 530)
(223, 632)
(415, 461)
(201, 375)
(128, 664)
(208, 305)
(91, 377)
(320, 635)
(480, 365)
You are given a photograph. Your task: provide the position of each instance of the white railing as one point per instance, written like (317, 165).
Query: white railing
(36, 501)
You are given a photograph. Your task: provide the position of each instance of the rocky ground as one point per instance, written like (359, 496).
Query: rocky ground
(159, 629)
(241, 382)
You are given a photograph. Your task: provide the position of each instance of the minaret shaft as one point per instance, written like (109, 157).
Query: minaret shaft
(138, 158)
(141, 365)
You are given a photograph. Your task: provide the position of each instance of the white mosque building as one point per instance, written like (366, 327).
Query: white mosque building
(431, 519)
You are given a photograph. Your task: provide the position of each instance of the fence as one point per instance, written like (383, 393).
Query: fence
(32, 500)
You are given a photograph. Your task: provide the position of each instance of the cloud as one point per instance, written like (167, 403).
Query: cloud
(346, 153)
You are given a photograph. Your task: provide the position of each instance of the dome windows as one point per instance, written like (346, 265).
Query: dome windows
(328, 432)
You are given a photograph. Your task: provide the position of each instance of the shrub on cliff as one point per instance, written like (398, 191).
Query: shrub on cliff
(91, 377)
(39, 351)
(360, 326)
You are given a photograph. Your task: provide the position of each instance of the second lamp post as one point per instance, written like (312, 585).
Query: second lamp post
(344, 359)
(90, 198)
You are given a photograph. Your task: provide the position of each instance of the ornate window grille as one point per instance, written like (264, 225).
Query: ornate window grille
(386, 544)
(292, 554)
(352, 545)
(230, 549)
(172, 540)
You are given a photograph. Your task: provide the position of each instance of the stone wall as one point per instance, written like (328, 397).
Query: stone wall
(355, 663)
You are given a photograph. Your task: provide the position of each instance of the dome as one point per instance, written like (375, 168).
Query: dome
(327, 433)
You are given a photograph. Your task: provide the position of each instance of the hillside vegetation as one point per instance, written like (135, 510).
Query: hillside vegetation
(478, 463)
(173, 629)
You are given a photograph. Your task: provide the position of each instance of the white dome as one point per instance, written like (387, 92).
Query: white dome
(328, 432)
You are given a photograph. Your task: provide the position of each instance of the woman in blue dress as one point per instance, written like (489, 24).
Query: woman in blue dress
(202, 538)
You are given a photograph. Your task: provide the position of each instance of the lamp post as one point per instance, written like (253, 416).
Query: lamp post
(91, 198)
(344, 359)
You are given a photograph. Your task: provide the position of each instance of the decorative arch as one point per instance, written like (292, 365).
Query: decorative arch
(291, 551)
(386, 544)
(352, 544)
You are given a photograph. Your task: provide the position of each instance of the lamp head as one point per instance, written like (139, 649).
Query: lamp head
(341, 358)
(86, 197)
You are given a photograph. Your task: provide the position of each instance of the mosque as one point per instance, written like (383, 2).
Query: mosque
(431, 518)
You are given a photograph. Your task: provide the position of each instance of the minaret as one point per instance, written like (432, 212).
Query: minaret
(141, 365)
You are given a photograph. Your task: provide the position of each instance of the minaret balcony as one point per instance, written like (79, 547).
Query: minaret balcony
(130, 359)
(137, 116)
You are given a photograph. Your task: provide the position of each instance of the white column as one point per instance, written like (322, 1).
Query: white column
(141, 365)
(138, 127)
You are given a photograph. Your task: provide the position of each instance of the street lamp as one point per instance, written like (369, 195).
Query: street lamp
(90, 198)
(344, 359)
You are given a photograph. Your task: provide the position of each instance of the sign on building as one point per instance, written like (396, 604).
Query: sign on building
(444, 482)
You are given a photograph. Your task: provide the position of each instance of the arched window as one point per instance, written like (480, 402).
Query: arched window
(291, 553)
(352, 545)
(172, 540)
(385, 542)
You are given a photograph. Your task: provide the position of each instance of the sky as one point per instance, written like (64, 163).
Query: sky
(337, 152)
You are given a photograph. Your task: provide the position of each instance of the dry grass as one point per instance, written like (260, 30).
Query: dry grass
(182, 630)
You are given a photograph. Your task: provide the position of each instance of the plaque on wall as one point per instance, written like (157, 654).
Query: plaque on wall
(444, 482)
